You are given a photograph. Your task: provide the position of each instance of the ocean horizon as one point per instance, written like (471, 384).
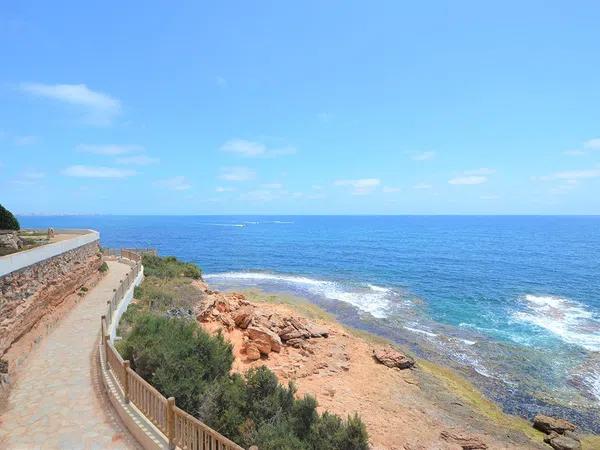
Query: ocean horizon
(511, 302)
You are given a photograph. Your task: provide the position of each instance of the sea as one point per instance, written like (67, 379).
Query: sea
(510, 302)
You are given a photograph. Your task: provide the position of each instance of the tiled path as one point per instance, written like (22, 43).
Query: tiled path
(57, 401)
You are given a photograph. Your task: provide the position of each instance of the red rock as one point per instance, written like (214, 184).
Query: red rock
(252, 352)
(548, 424)
(243, 316)
(464, 440)
(393, 358)
(262, 333)
(264, 346)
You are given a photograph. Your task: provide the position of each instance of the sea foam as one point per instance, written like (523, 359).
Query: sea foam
(567, 319)
(370, 298)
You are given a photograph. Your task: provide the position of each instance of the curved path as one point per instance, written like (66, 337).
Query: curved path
(58, 401)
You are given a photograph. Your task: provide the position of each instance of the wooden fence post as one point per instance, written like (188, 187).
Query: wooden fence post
(102, 336)
(171, 422)
(126, 366)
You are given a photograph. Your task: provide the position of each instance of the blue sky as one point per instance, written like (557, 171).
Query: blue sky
(300, 108)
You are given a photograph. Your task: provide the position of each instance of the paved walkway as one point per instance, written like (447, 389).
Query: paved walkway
(58, 400)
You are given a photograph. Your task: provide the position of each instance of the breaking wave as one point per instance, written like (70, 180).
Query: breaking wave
(370, 298)
(567, 319)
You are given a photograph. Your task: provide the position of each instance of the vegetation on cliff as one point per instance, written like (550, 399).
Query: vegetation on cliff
(182, 360)
(169, 267)
(7, 220)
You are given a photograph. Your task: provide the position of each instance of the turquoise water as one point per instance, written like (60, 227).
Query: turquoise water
(511, 302)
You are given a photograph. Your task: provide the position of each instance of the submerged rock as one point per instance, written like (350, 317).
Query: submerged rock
(393, 358)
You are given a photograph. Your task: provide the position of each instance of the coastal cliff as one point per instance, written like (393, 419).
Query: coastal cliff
(34, 292)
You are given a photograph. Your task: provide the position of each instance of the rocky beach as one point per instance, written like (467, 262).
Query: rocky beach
(406, 403)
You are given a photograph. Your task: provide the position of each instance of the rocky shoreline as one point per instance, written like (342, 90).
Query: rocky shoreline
(406, 403)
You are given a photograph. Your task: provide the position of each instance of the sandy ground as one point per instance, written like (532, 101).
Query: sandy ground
(403, 409)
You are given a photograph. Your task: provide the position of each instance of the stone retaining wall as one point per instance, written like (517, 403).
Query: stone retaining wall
(27, 294)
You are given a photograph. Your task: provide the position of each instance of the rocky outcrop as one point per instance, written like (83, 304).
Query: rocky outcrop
(548, 424)
(29, 294)
(562, 442)
(264, 331)
(560, 432)
(465, 441)
(393, 358)
(10, 241)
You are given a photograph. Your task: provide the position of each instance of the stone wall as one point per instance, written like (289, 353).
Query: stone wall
(26, 295)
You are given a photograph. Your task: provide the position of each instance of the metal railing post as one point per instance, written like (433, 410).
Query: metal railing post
(126, 366)
(171, 422)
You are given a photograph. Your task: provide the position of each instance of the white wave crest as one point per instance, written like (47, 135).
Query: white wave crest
(419, 331)
(567, 319)
(370, 298)
(226, 224)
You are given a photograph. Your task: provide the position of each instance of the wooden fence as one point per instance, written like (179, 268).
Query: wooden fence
(181, 429)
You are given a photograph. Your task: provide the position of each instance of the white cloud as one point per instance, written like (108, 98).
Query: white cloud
(177, 183)
(390, 189)
(33, 174)
(237, 174)
(361, 186)
(25, 140)
(96, 172)
(473, 177)
(28, 177)
(110, 149)
(572, 175)
(587, 147)
(99, 108)
(592, 144)
(420, 186)
(221, 189)
(575, 152)
(489, 197)
(468, 180)
(423, 156)
(252, 149)
(137, 160)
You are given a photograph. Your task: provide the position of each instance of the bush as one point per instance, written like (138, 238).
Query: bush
(103, 267)
(177, 357)
(7, 220)
(182, 360)
(169, 267)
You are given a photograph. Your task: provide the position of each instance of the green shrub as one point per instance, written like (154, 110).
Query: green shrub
(7, 220)
(177, 357)
(103, 267)
(182, 360)
(169, 267)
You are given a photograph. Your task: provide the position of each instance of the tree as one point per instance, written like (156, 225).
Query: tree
(7, 220)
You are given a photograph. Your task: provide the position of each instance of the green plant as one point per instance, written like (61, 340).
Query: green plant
(103, 268)
(169, 267)
(7, 220)
(182, 360)
(177, 357)
(83, 289)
